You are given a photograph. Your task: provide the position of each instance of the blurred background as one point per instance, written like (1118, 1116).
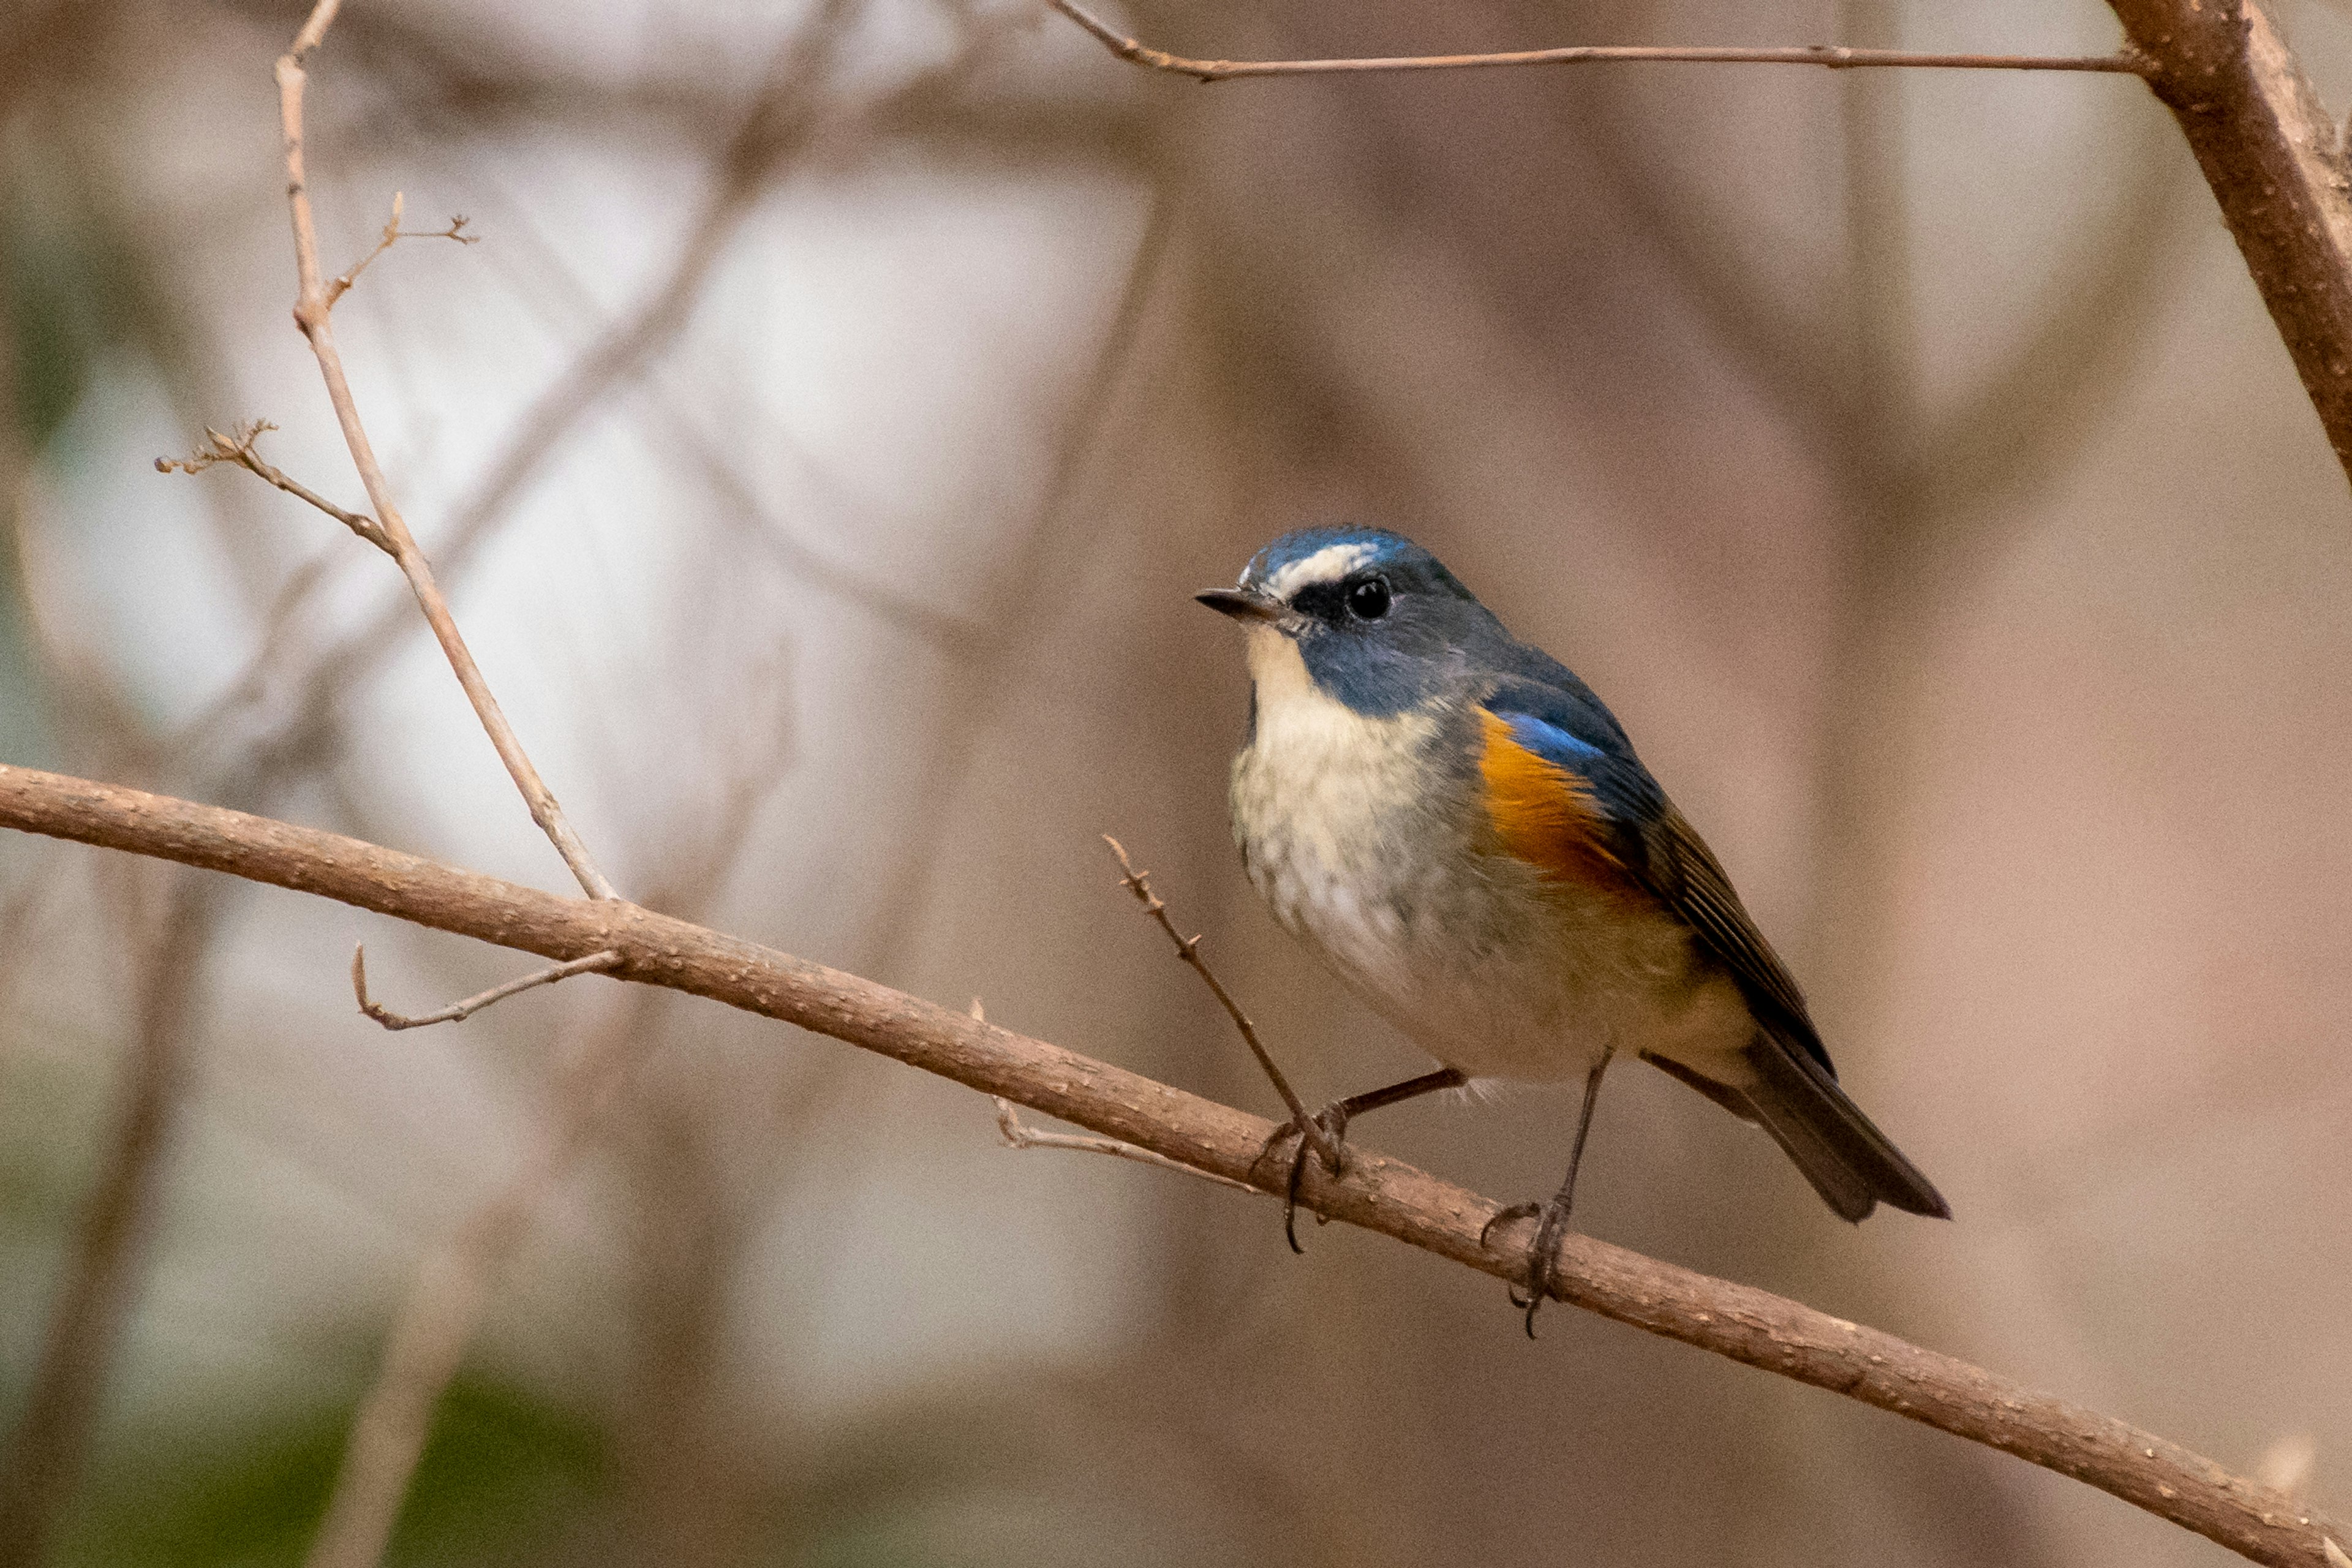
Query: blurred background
(821, 446)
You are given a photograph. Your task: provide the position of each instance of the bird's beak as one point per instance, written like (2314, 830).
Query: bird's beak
(1243, 604)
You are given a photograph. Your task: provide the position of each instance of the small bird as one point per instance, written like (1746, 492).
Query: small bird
(1460, 829)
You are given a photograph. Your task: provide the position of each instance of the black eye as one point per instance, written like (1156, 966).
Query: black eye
(1368, 600)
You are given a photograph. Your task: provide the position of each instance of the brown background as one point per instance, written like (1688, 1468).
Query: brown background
(1909, 462)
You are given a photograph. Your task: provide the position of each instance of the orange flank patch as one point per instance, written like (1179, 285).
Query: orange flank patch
(1544, 814)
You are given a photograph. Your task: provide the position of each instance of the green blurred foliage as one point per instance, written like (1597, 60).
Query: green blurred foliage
(502, 1470)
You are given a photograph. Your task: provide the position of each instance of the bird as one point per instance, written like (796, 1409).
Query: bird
(1461, 830)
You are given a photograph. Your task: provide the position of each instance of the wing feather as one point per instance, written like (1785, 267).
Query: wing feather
(1622, 813)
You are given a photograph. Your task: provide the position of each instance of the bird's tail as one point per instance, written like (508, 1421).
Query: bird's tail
(1849, 1162)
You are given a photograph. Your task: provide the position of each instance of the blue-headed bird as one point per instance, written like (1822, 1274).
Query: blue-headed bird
(1461, 830)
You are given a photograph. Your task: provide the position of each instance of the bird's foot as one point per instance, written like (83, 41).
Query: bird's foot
(1543, 1252)
(1333, 1123)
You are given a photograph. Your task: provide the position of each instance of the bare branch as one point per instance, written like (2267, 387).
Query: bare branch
(238, 447)
(779, 127)
(1189, 949)
(313, 313)
(1835, 57)
(472, 1004)
(393, 235)
(1745, 1325)
(1018, 1136)
(2272, 156)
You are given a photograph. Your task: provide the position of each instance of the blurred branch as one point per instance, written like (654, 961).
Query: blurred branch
(452, 1289)
(785, 119)
(958, 637)
(1834, 57)
(1051, 555)
(313, 313)
(1745, 1325)
(457, 1011)
(162, 927)
(437, 1318)
(2277, 168)
(43, 1457)
(2033, 412)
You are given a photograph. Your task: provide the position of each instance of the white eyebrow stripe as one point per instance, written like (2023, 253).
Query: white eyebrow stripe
(1327, 564)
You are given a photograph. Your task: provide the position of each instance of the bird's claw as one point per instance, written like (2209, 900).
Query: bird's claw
(1333, 1123)
(1542, 1255)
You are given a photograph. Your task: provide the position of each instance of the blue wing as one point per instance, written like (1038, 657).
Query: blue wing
(1556, 718)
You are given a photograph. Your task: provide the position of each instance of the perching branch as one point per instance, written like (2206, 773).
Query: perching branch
(471, 1005)
(1735, 1320)
(1835, 57)
(1189, 949)
(313, 313)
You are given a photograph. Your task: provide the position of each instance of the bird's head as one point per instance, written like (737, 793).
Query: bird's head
(1368, 617)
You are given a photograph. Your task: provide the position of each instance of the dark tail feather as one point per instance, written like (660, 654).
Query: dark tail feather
(1849, 1162)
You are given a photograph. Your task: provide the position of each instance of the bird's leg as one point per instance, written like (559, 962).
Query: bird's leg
(1552, 1219)
(1333, 1119)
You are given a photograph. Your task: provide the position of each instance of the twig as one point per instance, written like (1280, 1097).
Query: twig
(1835, 57)
(1189, 949)
(1018, 1136)
(594, 962)
(1745, 1325)
(617, 357)
(238, 447)
(393, 235)
(313, 313)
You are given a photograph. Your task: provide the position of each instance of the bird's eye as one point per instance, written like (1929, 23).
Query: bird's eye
(1368, 600)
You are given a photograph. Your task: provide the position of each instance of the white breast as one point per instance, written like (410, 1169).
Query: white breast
(1379, 861)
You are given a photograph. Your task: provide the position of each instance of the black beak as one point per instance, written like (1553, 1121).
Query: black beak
(1241, 604)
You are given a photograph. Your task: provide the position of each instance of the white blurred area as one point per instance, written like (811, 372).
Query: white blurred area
(1908, 461)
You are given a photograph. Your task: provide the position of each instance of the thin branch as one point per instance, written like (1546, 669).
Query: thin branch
(1835, 57)
(1745, 1325)
(456, 1011)
(393, 235)
(1018, 1135)
(238, 447)
(1189, 949)
(783, 121)
(313, 313)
